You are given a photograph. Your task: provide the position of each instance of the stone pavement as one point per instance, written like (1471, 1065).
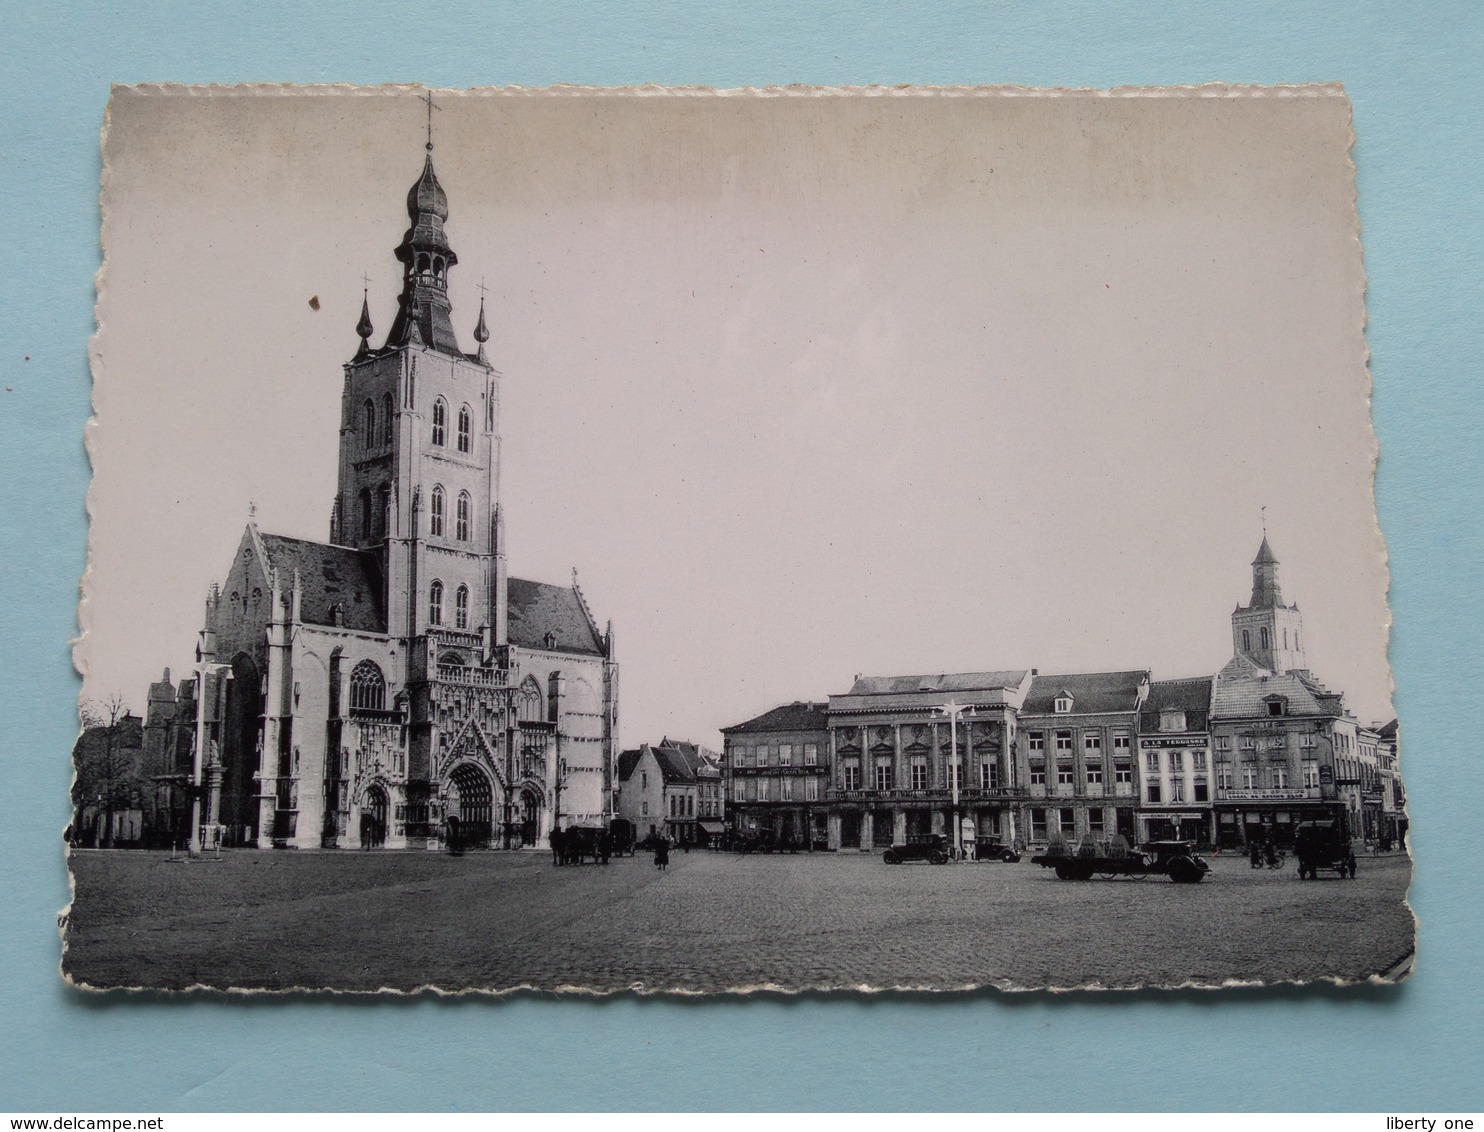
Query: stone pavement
(496, 921)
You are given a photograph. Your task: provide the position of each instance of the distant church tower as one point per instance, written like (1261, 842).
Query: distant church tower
(1266, 631)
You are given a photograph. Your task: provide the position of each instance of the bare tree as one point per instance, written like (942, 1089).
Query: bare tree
(105, 765)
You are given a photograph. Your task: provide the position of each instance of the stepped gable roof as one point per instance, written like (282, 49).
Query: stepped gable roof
(942, 682)
(537, 608)
(1180, 695)
(801, 715)
(1243, 688)
(1090, 691)
(329, 576)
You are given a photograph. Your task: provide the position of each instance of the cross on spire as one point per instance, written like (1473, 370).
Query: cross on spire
(1264, 520)
(482, 288)
(365, 281)
(428, 98)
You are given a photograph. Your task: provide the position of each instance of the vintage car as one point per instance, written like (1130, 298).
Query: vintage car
(993, 849)
(930, 847)
(1323, 845)
(1113, 858)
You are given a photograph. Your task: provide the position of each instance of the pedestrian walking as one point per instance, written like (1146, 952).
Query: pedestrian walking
(555, 840)
(662, 853)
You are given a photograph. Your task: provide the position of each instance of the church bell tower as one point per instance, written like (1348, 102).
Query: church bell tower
(420, 448)
(1266, 631)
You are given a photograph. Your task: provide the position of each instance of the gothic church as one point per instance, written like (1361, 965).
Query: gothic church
(394, 686)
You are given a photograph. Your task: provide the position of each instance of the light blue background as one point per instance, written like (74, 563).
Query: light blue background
(1410, 71)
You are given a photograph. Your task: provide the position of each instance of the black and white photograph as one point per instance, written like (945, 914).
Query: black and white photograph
(667, 540)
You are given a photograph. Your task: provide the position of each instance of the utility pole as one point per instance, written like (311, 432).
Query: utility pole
(953, 710)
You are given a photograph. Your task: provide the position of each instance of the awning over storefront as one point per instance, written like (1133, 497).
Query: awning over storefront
(714, 828)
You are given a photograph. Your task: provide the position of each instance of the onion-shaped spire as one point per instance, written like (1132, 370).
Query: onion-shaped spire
(481, 331)
(364, 327)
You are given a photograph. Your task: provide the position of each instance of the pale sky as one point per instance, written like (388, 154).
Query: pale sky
(804, 385)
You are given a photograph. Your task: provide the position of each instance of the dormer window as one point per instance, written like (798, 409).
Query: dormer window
(549, 640)
(1172, 720)
(1275, 705)
(1064, 703)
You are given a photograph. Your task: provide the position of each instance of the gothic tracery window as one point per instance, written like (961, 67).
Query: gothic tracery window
(368, 437)
(435, 604)
(440, 422)
(367, 687)
(435, 516)
(461, 523)
(387, 415)
(461, 608)
(464, 443)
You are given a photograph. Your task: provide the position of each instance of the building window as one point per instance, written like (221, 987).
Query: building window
(762, 754)
(1064, 774)
(1311, 774)
(1151, 761)
(883, 775)
(739, 791)
(811, 789)
(367, 687)
(1152, 787)
(440, 422)
(435, 515)
(368, 434)
(1224, 777)
(435, 604)
(1202, 791)
(383, 515)
(1123, 774)
(1223, 742)
(1094, 774)
(1092, 746)
(1177, 762)
(1067, 819)
(1285, 638)
(1249, 776)
(1177, 789)
(762, 789)
(1120, 744)
(1263, 635)
(1172, 720)
(786, 791)
(461, 608)
(461, 521)
(1198, 760)
(785, 754)
(989, 775)
(1246, 640)
(1038, 774)
(1063, 705)
(850, 773)
(388, 420)
(464, 428)
(1037, 740)
(955, 776)
(1038, 825)
(644, 806)
(1280, 777)
(919, 773)
(1248, 743)
(1275, 707)
(1063, 743)
(366, 532)
(811, 754)
(1095, 821)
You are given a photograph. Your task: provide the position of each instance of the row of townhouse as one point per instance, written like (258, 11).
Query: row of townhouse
(672, 788)
(1221, 760)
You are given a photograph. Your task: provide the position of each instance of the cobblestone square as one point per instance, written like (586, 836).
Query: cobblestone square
(496, 921)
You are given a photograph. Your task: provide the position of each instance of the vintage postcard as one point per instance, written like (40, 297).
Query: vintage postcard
(693, 541)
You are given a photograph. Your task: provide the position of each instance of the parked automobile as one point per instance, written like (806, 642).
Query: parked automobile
(930, 847)
(994, 849)
(1107, 859)
(1323, 845)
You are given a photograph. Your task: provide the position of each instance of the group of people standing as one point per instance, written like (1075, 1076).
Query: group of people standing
(572, 846)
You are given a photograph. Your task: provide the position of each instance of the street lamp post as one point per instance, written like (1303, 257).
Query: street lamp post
(953, 710)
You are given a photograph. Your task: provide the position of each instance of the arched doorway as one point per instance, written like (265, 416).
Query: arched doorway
(530, 816)
(373, 819)
(472, 804)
